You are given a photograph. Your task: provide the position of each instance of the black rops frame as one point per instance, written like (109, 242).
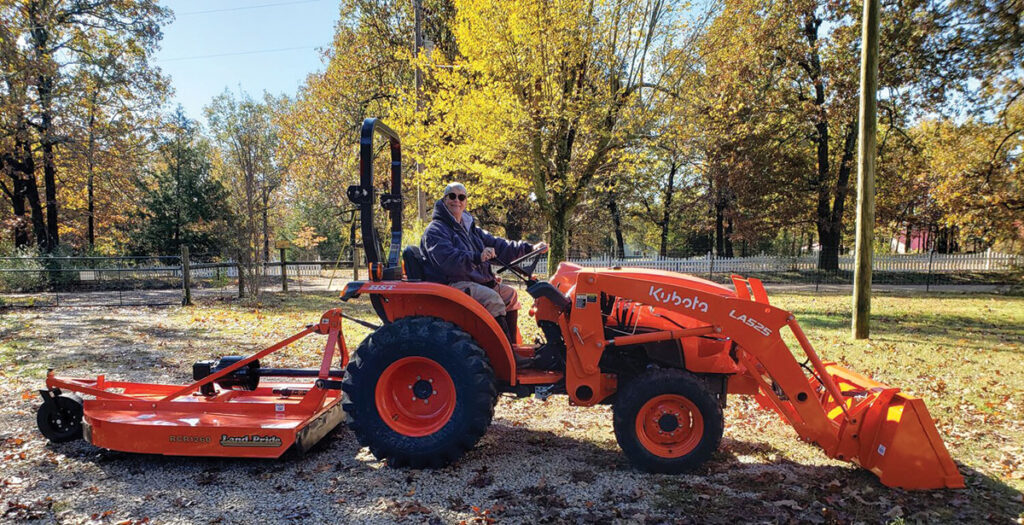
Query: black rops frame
(363, 195)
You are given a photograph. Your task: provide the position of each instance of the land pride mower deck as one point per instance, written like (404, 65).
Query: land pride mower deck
(664, 349)
(225, 412)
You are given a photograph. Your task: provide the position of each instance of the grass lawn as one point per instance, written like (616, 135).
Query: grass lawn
(961, 353)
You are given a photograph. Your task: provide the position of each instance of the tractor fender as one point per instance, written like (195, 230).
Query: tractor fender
(398, 299)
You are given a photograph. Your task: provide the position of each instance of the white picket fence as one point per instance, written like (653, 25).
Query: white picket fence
(210, 271)
(919, 263)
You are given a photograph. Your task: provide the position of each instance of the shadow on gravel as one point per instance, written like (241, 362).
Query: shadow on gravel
(96, 343)
(519, 475)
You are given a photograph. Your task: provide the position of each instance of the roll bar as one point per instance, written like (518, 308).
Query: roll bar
(363, 195)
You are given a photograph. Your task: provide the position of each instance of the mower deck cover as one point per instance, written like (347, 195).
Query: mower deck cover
(200, 419)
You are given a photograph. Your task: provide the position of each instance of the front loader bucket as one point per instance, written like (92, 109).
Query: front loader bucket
(888, 433)
(850, 416)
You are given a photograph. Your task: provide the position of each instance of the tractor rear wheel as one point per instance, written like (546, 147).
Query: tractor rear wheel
(667, 421)
(419, 392)
(60, 419)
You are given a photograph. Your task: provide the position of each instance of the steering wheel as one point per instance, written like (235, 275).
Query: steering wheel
(525, 274)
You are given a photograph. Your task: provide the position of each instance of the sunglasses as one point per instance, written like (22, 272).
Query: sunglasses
(453, 196)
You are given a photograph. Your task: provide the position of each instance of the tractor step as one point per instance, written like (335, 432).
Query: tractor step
(529, 376)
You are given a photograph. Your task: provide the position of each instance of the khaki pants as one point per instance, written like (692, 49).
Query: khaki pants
(499, 300)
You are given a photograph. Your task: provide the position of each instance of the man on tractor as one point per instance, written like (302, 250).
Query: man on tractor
(460, 252)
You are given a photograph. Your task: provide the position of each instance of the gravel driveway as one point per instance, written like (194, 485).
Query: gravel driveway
(541, 461)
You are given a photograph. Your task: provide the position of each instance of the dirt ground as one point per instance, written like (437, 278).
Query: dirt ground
(540, 462)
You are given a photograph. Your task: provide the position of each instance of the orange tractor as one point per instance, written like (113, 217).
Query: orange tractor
(664, 349)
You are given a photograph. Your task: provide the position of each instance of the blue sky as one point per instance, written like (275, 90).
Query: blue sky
(252, 45)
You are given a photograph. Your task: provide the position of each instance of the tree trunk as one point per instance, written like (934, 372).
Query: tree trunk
(21, 238)
(719, 229)
(728, 239)
(830, 198)
(48, 145)
(266, 227)
(515, 217)
(20, 167)
(830, 216)
(50, 185)
(558, 236)
(28, 172)
(92, 210)
(666, 214)
(90, 180)
(613, 207)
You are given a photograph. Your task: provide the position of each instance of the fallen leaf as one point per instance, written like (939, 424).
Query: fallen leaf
(788, 503)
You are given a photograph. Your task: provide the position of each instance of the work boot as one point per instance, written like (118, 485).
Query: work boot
(512, 318)
(521, 362)
(503, 323)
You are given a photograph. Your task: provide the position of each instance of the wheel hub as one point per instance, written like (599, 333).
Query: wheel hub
(668, 422)
(669, 425)
(422, 389)
(415, 396)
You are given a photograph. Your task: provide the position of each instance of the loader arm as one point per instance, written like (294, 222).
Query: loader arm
(849, 416)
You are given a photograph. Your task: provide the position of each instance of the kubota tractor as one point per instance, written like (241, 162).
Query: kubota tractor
(664, 349)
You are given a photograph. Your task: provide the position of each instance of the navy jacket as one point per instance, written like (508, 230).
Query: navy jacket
(454, 253)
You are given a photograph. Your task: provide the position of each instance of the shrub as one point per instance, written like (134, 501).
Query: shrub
(16, 272)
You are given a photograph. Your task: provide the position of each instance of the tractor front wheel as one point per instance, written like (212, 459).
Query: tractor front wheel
(667, 421)
(419, 392)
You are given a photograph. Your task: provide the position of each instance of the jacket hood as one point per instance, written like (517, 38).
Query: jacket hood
(442, 214)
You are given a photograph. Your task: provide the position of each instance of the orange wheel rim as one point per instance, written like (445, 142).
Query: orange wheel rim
(669, 426)
(415, 396)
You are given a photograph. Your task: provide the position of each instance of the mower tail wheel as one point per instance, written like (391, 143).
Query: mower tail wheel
(60, 419)
(419, 392)
(667, 421)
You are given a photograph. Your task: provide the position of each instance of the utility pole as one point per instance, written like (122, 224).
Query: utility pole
(417, 7)
(866, 150)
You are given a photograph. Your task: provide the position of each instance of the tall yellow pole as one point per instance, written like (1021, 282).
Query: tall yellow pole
(866, 150)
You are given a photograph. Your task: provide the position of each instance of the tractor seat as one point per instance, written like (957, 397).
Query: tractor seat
(418, 268)
(415, 263)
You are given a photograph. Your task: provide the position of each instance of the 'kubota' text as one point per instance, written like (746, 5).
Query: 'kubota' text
(692, 303)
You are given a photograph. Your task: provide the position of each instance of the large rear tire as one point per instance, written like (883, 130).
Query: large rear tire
(419, 392)
(667, 421)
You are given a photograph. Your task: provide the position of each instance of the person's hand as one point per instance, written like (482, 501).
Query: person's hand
(541, 246)
(487, 254)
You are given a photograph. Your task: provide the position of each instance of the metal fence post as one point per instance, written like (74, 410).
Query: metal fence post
(241, 276)
(284, 272)
(186, 278)
(817, 272)
(120, 284)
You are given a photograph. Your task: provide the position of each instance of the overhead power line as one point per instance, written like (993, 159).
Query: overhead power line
(242, 8)
(256, 52)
